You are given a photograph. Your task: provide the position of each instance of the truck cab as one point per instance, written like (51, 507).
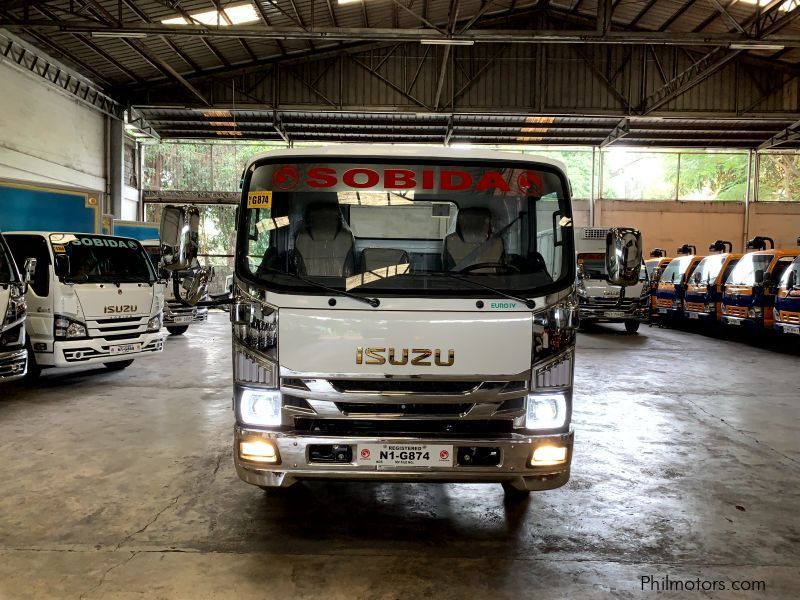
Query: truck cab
(403, 314)
(671, 288)
(178, 316)
(599, 301)
(703, 298)
(92, 299)
(750, 290)
(787, 300)
(13, 355)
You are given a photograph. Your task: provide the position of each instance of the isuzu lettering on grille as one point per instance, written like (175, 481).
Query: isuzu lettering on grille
(119, 308)
(400, 356)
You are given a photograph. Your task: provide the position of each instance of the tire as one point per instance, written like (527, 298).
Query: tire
(34, 370)
(632, 326)
(514, 494)
(118, 365)
(178, 329)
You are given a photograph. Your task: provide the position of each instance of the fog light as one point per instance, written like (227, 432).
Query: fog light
(258, 451)
(548, 455)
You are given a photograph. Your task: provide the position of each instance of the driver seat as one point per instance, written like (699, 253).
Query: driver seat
(324, 244)
(473, 229)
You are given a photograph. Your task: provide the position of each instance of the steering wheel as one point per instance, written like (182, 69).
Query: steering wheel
(489, 265)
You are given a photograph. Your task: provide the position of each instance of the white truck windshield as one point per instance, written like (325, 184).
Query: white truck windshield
(398, 227)
(7, 272)
(82, 258)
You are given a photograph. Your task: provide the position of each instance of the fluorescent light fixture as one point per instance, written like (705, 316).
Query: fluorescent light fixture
(446, 42)
(118, 34)
(348, 1)
(735, 46)
(238, 14)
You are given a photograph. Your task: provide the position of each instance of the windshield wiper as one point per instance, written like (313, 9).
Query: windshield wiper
(373, 302)
(529, 303)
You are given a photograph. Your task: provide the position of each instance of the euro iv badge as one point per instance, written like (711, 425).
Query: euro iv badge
(259, 200)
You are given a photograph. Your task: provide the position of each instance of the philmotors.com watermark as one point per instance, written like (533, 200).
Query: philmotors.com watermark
(652, 583)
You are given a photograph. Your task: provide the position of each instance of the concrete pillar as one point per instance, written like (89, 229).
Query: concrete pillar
(116, 165)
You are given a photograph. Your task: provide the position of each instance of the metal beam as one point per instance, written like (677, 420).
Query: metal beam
(375, 34)
(790, 134)
(30, 59)
(602, 77)
(622, 129)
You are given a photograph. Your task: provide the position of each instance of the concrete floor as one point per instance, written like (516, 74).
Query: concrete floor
(121, 485)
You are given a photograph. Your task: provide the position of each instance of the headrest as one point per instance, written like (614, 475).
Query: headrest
(474, 224)
(322, 221)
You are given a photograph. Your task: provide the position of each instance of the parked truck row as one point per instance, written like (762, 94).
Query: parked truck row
(758, 290)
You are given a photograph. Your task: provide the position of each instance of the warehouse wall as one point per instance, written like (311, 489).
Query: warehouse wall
(671, 224)
(48, 138)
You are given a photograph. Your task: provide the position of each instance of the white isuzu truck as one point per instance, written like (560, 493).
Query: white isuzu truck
(13, 355)
(92, 299)
(599, 300)
(403, 314)
(178, 316)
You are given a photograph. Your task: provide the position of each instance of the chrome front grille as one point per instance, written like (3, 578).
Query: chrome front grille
(116, 329)
(411, 398)
(611, 302)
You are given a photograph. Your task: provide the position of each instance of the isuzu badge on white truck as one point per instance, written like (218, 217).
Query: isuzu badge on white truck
(92, 299)
(403, 314)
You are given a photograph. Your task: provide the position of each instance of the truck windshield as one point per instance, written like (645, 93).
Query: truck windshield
(593, 263)
(100, 259)
(709, 268)
(7, 272)
(744, 273)
(675, 269)
(787, 274)
(398, 227)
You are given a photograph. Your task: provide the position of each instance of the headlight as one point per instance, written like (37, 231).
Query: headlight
(260, 407)
(16, 307)
(554, 329)
(256, 326)
(546, 411)
(154, 324)
(66, 328)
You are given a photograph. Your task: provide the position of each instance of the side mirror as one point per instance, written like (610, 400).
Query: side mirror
(623, 255)
(179, 234)
(197, 286)
(792, 282)
(759, 276)
(30, 269)
(697, 278)
(581, 272)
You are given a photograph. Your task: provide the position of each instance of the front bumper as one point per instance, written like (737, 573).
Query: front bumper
(295, 465)
(788, 328)
(13, 365)
(694, 315)
(97, 350)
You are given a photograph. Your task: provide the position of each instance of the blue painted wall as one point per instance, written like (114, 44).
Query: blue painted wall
(23, 208)
(137, 231)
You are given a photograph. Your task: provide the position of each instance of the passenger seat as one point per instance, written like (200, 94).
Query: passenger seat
(473, 228)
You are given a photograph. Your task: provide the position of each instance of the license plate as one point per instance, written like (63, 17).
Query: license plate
(694, 315)
(125, 349)
(663, 311)
(734, 322)
(615, 314)
(791, 329)
(183, 319)
(405, 455)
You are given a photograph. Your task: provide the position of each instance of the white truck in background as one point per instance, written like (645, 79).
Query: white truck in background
(92, 299)
(599, 300)
(178, 316)
(403, 314)
(13, 355)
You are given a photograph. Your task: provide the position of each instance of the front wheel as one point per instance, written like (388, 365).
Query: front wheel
(118, 365)
(178, 330)
(632, 326)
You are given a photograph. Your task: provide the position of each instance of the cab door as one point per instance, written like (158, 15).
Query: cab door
(39, 322)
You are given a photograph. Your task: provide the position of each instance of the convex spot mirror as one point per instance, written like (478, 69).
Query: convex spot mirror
(196, 286)
(623, 255)
(179, 234)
